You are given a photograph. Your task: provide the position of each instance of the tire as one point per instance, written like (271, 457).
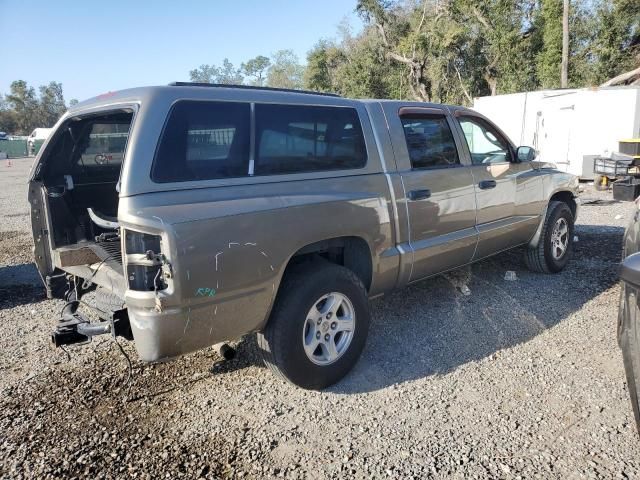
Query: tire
(628, 338)
(282, 343)
(542, 258)
(598, 185)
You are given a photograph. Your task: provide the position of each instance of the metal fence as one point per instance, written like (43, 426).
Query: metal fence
(17, 147)
(14, 148)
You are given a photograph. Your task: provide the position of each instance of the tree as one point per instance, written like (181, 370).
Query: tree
(550, 56)
(226, 74)
(21, 111)
(454, 50)
(627, 78)
(393, 29)
(51, 105)
(8, 120)
(22, 100)
(615, 47)
(318, 74)
(204, 74)
(256, 68)
(285, 71)
(564, 76)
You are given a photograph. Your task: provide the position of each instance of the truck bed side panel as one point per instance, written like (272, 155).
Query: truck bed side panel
(229, 249)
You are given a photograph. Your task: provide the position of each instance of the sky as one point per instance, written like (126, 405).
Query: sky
(94, 47)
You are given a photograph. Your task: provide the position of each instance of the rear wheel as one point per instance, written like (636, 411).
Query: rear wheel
(318, 327)
(556, 241)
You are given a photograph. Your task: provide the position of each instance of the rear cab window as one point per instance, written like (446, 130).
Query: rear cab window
(295, 138)
(205, 140)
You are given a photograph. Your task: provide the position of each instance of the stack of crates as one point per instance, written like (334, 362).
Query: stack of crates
(630, 147)
(628, 188)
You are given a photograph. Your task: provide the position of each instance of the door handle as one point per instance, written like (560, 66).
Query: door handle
(419, 194)
(487, 184)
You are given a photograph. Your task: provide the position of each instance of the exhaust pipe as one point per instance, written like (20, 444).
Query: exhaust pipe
(226, 351)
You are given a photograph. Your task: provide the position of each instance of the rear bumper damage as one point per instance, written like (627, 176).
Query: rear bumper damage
(75, 327)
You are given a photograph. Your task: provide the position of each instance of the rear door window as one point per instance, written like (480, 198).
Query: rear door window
(300, 138)
(429, 141)
(204, 141)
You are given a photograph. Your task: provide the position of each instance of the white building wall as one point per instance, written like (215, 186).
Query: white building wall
(567, 127)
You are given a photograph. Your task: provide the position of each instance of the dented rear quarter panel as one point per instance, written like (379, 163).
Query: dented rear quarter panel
(229, 241)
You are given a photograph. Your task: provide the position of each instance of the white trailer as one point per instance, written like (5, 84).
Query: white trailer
(568, 127)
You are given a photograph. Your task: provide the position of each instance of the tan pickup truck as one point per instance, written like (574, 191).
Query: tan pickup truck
(202, 213)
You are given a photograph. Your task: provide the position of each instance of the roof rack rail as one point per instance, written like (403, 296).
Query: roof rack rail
(249, 87)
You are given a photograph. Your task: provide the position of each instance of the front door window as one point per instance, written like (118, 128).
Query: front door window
(486, 145)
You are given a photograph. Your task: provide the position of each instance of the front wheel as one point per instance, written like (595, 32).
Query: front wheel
(318, 326)
(556, 241)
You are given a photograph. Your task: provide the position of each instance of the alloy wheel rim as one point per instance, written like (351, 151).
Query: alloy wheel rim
(560, 238)
(329, 328)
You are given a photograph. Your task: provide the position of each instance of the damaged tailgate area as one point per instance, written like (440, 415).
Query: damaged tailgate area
(78, 242)
(74, 194)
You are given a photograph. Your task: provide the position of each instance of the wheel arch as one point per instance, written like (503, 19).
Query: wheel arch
(352, 252)
(564, 196)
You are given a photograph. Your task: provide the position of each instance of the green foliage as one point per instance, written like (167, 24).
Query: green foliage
(454, 50)
(226, 74)
(256, 68)
(8, 118)
(24, 103)
(22, 110)
(318, 74)
(550, 56)
(616, 43)
(282, 70)
(285, 70)
(51, 105)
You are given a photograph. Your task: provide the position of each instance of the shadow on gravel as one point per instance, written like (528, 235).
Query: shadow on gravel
(20, 285)
(433, 328)
(23, 274)
(16, 295)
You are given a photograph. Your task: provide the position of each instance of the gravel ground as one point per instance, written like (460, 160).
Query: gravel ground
(519, 379)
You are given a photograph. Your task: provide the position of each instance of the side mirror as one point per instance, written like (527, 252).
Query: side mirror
(526, 154)
(630, 269)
